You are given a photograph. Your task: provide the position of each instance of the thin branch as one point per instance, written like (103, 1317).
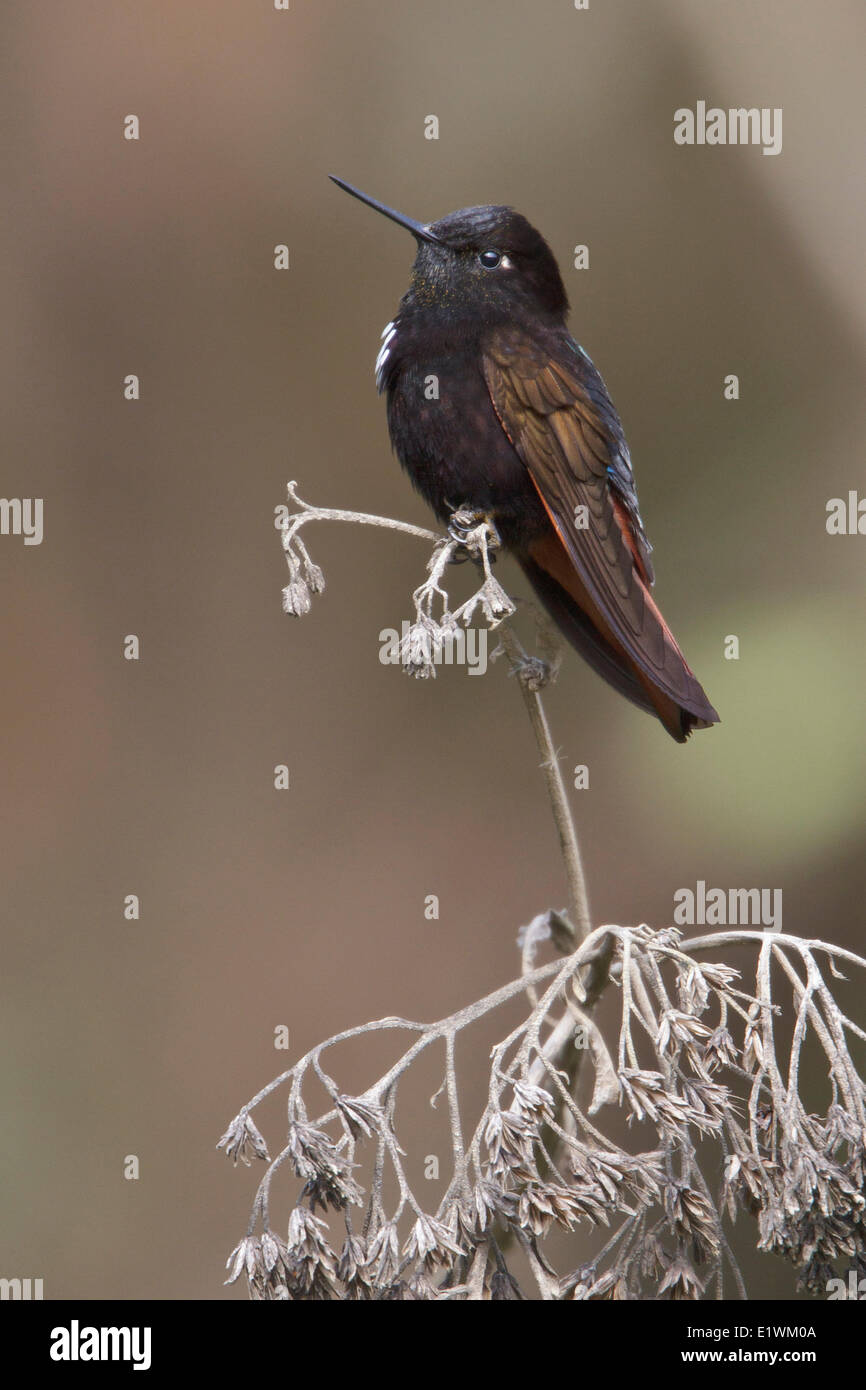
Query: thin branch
(527, 679)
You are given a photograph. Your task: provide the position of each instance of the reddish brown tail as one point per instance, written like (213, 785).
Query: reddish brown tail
(662, 684)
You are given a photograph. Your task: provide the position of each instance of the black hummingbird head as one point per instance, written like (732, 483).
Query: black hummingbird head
(486, 259)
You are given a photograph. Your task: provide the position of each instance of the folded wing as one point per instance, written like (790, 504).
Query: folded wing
(596, 563)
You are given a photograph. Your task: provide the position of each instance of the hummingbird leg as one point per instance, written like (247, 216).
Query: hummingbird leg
(534, 672)
(475, 535)
(542, 668)
(550, 644)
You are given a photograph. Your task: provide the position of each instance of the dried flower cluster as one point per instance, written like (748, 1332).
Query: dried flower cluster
(715, 1114)
(434, 625)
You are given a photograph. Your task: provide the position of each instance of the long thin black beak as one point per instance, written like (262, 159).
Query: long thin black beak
(416, 228)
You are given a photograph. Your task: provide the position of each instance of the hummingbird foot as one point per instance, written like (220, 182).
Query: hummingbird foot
(475, 537)
(535, 673)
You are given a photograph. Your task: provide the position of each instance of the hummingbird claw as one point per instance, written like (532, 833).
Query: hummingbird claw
(474, 533)
(535, 673)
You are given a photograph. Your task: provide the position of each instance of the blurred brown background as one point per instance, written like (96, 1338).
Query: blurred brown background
(156, 778)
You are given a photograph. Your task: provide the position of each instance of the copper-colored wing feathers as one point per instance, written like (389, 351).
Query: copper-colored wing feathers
(558, 416)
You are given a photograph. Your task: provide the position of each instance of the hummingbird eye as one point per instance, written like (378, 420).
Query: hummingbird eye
(490, 259)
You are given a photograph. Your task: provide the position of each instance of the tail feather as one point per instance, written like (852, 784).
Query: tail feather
(556, 582)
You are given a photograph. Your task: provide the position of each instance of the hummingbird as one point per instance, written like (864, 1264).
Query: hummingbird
(521, 430)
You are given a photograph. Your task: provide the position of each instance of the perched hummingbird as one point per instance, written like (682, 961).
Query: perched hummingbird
(524, 431)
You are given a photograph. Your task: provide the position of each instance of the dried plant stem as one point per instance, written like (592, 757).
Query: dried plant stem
(308, 512)
(481, 540)
(568, 844)
(476, 535)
